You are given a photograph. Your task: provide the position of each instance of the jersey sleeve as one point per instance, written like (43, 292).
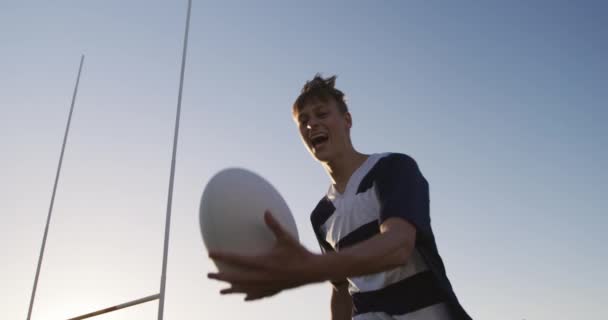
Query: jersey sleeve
(403, 191)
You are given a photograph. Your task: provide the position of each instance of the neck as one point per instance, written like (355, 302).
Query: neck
(342, 167)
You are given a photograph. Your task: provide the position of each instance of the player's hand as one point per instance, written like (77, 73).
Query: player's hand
(287, 265)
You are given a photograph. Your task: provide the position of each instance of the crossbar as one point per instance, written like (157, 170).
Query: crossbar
(117, 307)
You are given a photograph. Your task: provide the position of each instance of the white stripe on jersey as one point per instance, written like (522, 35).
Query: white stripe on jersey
(380, 280)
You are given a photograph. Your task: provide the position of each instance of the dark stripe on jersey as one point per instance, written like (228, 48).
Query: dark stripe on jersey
(380, 167)
(408, 295)
(362, 233)
(368, 181)
(321, 213)
(324, 244)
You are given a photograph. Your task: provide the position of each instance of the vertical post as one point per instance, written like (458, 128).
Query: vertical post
(48, 218)
(163, 278)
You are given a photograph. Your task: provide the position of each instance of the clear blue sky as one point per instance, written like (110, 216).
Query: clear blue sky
(503, 105)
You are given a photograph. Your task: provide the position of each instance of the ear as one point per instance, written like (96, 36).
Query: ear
(349, 119)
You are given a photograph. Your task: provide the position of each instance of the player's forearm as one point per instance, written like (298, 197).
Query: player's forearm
(382, 252)
(341, 303)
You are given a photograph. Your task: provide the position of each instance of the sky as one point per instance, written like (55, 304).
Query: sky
(503, 104)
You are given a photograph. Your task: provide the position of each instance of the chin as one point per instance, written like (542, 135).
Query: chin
(322, 156)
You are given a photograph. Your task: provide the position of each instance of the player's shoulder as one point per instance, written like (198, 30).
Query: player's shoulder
(386, 167)
(395, 160)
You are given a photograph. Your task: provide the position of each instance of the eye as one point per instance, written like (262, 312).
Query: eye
(322, 114)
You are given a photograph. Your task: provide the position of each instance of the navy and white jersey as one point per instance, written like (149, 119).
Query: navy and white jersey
(388, 185)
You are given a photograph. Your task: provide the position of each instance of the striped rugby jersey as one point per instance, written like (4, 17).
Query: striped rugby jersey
(388, 185)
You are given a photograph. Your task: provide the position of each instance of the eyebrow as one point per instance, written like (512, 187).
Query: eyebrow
(315, 108)
(318, 107)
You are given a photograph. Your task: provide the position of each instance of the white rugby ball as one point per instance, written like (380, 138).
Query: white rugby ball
(231, 213)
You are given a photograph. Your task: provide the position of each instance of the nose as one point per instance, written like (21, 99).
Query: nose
(312, 123)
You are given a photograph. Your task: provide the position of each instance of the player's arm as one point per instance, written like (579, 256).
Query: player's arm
(290, 264)
(387, 250)
(403, 196)
(341, 302)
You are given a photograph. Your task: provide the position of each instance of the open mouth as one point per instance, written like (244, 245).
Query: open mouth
(318, 141)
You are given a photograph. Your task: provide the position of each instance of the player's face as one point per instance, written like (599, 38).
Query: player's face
(324, 129)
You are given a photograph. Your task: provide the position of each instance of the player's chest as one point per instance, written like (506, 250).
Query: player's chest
(352, 212)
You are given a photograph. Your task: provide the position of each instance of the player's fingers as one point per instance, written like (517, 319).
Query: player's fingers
(279, 232)
(248, 262)
(244, 279)
(260, 294)
(233, 289)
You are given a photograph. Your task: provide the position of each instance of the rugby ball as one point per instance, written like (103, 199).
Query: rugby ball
(231, 213)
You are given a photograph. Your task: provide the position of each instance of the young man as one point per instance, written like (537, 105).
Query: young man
(373, 226)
